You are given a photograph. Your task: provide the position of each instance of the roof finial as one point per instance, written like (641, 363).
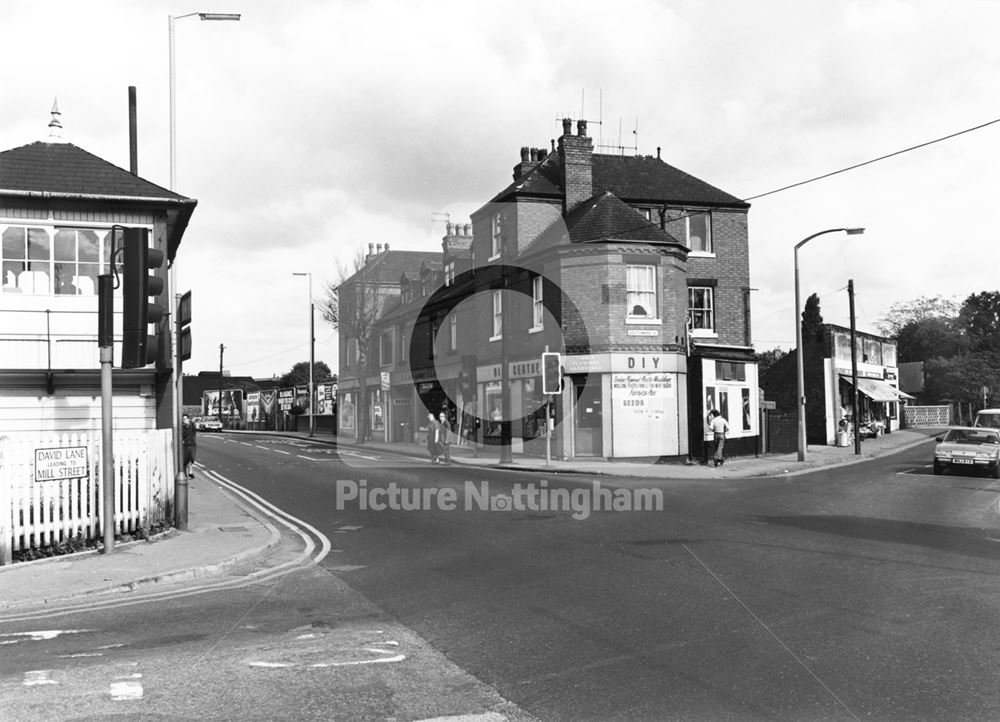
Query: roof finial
(55, 125)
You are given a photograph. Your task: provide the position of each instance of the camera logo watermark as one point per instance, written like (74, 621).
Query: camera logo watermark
(581, 502)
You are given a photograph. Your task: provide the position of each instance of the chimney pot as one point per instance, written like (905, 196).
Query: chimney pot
(534, 155)
(386, 246)
(378, 247)
(524, 153)
(581, 128)
(468, 229)
(371, 248)
(657, 152)
(567, 126)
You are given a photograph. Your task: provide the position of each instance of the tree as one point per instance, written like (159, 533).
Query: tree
(353, 303)
(906, 312)
(299, 375)
(980, 317)
(962, 378)
(767, 359)
(928, 338)
(812, 320)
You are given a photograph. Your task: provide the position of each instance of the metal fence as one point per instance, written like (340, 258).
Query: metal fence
(926, 416)
(50, 486)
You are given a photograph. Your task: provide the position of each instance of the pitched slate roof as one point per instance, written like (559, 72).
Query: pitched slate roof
(631, 178)
(63, 170)
(389, 266)
(602, 218)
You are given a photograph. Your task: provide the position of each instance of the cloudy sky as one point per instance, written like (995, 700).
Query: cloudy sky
(312, 127)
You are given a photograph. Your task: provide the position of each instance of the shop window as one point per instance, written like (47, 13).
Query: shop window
(730, 371)
(640, 292)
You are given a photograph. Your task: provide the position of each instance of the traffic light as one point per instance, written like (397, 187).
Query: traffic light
(139, 348)
(183, 323)
(551, 373)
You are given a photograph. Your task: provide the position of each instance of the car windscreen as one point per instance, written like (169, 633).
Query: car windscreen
(972, 436)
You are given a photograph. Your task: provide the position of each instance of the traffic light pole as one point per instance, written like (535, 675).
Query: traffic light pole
(105, 306)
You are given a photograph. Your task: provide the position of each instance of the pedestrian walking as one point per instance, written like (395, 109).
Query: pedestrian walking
(433, 438)
(190, 446)
(445, 428)
(719, 426)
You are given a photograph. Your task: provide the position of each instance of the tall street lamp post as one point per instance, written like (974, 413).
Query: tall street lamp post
(177, 381)
(800, 388)
(312, 354)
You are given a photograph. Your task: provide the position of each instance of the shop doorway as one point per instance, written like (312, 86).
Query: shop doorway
(588, 417)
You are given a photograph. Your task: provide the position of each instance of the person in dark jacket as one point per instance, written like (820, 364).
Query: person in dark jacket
(190, 447)
(433, 438)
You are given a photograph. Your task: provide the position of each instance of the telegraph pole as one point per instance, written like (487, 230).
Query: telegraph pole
(854, 371)
(221, 350)
(105, 342)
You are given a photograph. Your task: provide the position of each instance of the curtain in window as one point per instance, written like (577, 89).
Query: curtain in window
(640, 285)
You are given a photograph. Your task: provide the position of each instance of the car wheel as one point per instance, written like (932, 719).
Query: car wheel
(937, 468)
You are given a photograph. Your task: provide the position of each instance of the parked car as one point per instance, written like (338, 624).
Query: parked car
(968, 447)
(989, 418)
(207, 423)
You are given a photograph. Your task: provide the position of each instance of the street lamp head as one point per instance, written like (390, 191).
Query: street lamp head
(219, 16)
(854, 231)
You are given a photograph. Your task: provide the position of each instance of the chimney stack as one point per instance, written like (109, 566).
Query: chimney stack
(576, 158)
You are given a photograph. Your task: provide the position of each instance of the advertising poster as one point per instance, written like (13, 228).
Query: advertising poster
(232, 403)
(644, 414)
(326, 395)
(302, 398)
(252, 407)
(347, 413)
(268, 407)
(286, 398)
(209, 403)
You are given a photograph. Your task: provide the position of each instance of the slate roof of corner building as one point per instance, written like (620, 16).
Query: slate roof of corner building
(65, 169)
(389, 266)
(603, 217)
(632, 178)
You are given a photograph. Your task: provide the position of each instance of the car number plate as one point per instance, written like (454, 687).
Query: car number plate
(961, 461)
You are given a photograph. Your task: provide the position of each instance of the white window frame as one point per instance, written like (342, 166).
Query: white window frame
(497, 316)
(709, 242)
(537, 305)
(385, 338)
(402, 345)
(496, 228)
(709, 309)
(640, 295)
(453, 332)
(449, 273)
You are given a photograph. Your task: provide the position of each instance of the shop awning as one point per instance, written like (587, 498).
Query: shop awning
(878, 390)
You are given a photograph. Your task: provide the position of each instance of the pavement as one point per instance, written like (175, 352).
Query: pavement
(224, 533)
(817, 456)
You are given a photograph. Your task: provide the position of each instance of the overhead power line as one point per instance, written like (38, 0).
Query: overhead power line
(874, 160)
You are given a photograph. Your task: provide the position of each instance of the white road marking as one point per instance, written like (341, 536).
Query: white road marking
(270, 665)
(125, 691)
(309, 458)
(41, 636)
(360, 456)
(349, 528)
(279, 451)
(265, 448)
(81, 654)
(245, 443)
(37, 677)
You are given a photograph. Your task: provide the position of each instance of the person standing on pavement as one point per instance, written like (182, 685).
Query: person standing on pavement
(445, 428)
(433, 438)
(190, 447)
(719, 426)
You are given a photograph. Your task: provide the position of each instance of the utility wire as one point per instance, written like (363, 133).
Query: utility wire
(874, 160)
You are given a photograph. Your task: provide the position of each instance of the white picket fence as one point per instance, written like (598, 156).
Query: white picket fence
(35, 512)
